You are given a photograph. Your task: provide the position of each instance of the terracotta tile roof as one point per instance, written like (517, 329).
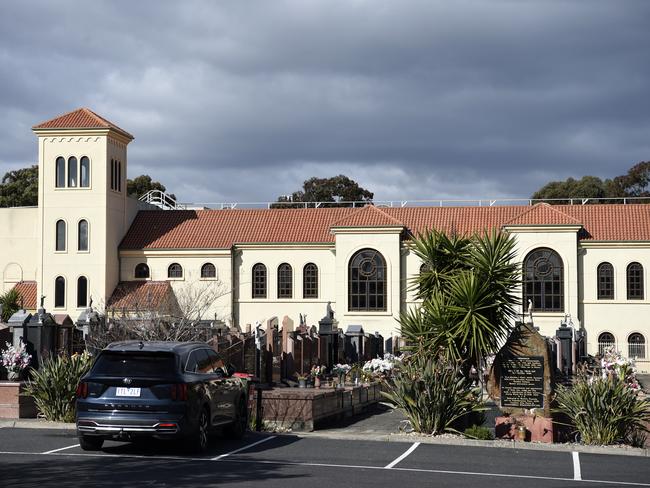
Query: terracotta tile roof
(27, 290)
(142, 295)
(368, 216)
(82, 118)
(543, 214)
(221, 229)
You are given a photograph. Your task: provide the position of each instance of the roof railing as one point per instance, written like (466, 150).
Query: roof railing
(161, 200)
(492, 202)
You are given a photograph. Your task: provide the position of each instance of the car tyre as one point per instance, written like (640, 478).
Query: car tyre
(238, 428)
(88, 443)
(197, 442)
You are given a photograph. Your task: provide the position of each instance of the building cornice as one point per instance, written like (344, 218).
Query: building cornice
(552, 228)
(389, 229)
(284, 245)
(614, 244)
(104, 131)
(195, 253)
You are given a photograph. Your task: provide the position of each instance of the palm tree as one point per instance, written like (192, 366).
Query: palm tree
(467, 285)
(10, 302)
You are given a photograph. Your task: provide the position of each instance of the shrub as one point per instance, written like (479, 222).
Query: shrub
(479, 432)
(604, 410)
(53, 386)
(432, 393)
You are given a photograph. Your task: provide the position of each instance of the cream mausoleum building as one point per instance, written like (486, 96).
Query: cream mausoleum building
(87, 238)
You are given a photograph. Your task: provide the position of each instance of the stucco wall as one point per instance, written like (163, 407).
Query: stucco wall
(18, 245)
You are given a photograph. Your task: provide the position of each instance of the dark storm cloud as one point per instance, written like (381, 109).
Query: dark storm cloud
(242, 101)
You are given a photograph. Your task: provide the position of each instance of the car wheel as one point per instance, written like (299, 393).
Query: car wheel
(198, 442)
(88, 443)
(238, 428)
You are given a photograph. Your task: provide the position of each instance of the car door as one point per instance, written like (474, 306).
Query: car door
(226, 389)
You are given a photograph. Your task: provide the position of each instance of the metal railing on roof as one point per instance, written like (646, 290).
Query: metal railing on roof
(161, 200)
(491, 202)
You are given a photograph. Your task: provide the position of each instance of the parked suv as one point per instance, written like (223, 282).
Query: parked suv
(164, 390)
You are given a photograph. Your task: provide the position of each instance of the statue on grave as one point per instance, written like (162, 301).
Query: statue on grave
(330, 312)
(303, 320)
(42, 301)
(530, 311)
(90, 303)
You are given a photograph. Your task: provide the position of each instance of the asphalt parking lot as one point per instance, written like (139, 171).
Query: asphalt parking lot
(52, 458)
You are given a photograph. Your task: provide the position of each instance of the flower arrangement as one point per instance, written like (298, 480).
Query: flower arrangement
(317, 371)
(341, 369)
(382, 366)
(613, 363)
(15, 359)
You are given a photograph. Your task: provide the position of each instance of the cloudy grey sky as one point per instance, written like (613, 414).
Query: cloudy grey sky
(243, 100)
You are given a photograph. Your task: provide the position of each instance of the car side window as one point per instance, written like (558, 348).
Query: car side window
(216, 362)
(203, 363)
(197, 361)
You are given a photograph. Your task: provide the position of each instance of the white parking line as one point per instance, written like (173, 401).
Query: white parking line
(403, 456)
(326, 465)
(577, 475)
(60, 449)
(242, 448)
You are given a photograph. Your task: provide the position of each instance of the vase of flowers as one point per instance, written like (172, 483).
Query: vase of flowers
(302, 380)
(316, 373)
(15, 359)
(341, 370)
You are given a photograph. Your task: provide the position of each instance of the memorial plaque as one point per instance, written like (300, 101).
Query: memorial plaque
(522, 382)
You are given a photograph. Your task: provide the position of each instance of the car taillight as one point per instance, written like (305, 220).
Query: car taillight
(179, 392)
(82, 390)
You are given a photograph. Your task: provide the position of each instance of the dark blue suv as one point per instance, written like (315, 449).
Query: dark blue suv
(164, 390)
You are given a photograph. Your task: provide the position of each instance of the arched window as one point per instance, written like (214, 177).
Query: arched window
(636, 346)
(259, 281)
(82, 292)
(72, 172)
(175, 270)
(605, 341)
(60, 235)
(310, 281)
(605, 281)
(208, 271)
(544, 280)
(59, 292)
(367, 281)
(83, 235)
(60, 173)
(285, 281)
(142, 271)
(85, 172)
(634, 281)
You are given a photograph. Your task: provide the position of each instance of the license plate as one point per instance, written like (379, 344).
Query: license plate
(127, 392)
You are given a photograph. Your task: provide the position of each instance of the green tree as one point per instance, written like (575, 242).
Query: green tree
(468, 286)
(636, 183)
(142, 184)
(19, 188)
(10, 302)
(335, 189)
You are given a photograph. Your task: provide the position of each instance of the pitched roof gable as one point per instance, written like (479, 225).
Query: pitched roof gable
(143, 295)
(222, 229)
(82, 118)
(27, 291)
(543, 214)
(368, 216)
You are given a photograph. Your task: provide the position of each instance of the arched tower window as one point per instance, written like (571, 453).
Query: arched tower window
(142, 270)
(60, 235)
(285, 281)
(544, 280)
(367, 281)
(60, 172)
(72, 172)
(83, 235)
(605, 281)
(208, 271)
(635, 281)
(82, 292)
(310, 281)
(175, 270)
(85, 172)
(605, 341)
(259, 281)
(59, 292)
(636, 346)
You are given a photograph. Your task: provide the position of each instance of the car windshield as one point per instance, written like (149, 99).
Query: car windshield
(134, 364)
